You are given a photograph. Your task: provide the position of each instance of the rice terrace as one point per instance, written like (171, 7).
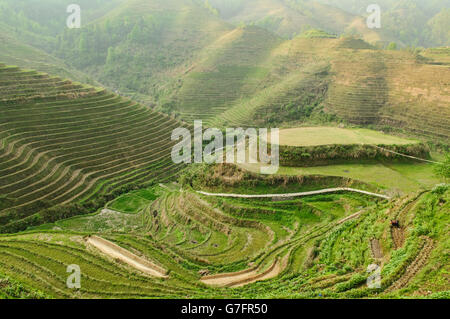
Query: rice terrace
(94, 102)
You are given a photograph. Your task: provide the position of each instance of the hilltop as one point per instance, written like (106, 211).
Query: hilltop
(291, 18)
(411, 23)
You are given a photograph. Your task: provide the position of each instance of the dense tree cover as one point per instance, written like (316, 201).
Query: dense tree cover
(38, 22)
(128, 54)
(439, 27)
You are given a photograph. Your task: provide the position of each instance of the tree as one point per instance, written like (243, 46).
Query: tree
(135, 34)
(443, 169)
(392, 46)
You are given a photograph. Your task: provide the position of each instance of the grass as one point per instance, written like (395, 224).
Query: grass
(128, 203)
(312, 136)
(397, 177)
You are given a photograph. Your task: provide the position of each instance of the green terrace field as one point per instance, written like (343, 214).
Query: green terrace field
(324, 146)
(216, 247)
(63, 143)
(311, 136)
(396, 175)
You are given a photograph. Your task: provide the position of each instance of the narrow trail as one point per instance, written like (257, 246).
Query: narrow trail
(322, 191)
(375, 247)
(351, 216)
(116, 252)
(415, 266)
(404, 155)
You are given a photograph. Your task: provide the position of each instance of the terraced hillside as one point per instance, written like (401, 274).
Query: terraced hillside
(392, 89)
(361, 194)
(311, 79)
(142, 47)
(63, 143)
(184, 59)
(233, 68)
(235, 247)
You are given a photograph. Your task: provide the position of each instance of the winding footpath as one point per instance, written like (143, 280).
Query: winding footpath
(321, 191)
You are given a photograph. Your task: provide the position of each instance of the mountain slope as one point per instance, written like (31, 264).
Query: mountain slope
(232, 68)
(142, 46)
(38, 22)
(350, 79)
(410, 22)
(15, 52)
(181, 58)
(395, 89)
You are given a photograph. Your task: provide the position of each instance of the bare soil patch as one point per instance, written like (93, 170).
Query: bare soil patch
(375, 247)
(245, 277)
(116, 252)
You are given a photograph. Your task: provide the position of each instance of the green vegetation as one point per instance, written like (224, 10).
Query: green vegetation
(83, 168)
(132, 202)
(352, 153)
(403, 177)
(11, 289)
(443, 169)
(190, 234)
(310, 34)
(289, 18)
(245, 75)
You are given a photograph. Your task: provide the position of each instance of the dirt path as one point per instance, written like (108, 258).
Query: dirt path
(398, 237)
(414, 267)
(273, 271)
(404, 155)
(245, 277)
(117, 252)
(322, 191)
(375, 247)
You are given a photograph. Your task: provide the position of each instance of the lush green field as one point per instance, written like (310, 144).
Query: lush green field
(394, 177)
(312, 136)
(132, 202)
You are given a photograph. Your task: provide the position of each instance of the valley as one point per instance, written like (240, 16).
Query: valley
(89, 123)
